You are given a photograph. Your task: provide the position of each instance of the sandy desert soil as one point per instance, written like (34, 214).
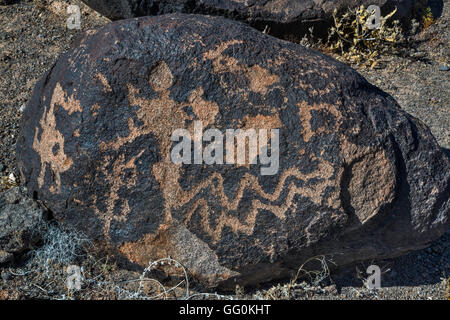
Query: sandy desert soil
(33, 34)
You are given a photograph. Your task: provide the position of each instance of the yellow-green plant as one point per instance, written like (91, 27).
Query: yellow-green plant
(427, 18)
(356, 40)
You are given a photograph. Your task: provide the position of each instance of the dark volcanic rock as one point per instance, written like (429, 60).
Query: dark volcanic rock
(282, 16)
(5, 257)
(359, 178)
(6, 2)
(21, 222)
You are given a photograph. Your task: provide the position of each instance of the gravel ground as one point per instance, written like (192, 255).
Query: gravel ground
(32, 36)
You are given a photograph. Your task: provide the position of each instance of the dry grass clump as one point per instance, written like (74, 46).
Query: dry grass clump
(356, 40)
(45, 273)
(314, 276)
(61, 246)
(100, 278)
(150, 288)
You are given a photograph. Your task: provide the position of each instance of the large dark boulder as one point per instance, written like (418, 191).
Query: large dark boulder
(284, 17)
(358, 177)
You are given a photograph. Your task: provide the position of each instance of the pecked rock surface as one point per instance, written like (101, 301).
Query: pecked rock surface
(358, 177)
(283, 16)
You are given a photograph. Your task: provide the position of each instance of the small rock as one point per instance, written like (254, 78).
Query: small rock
(331, 289)
(5, 257)
(6, 275)
(21, 221)
(22, 107)
(419, 54)
(6, 2)
(13, 196)
(443, 68)
(437, 249)
(12, 178)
